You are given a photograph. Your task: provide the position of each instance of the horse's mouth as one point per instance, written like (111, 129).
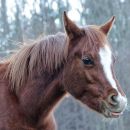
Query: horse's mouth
(109, 113)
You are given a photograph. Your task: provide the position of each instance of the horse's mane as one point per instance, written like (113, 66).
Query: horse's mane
(44, 54)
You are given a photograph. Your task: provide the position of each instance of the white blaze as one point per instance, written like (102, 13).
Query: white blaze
(106, 61)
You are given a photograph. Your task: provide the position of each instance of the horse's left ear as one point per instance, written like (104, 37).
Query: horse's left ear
(72, 30)
(108, 25)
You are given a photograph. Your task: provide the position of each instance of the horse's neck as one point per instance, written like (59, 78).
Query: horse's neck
(41, 94)
(53, 93)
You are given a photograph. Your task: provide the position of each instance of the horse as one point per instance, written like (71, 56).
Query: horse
(37, 76)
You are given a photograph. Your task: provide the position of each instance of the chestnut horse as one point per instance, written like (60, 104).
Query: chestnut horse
(40, 74)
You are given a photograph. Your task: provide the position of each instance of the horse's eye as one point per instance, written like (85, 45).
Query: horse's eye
(88, 61)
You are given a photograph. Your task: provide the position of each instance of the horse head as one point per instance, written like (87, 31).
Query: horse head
(89, 72)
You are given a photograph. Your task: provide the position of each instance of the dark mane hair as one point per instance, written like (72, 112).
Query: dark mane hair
(43, 54)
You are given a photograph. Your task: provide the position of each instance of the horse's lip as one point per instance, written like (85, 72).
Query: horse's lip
(116, 114)
(110, 114)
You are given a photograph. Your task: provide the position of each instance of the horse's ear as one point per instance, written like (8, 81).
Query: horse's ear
(107, 26)
(72, 30)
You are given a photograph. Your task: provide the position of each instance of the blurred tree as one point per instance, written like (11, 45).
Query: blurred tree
(4, 19)
(18, 33)
(4, 26)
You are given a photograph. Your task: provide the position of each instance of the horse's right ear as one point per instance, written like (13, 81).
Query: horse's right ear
(108, 25)
(72, 30)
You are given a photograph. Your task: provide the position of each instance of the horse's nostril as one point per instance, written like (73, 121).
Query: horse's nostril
(112, 99)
